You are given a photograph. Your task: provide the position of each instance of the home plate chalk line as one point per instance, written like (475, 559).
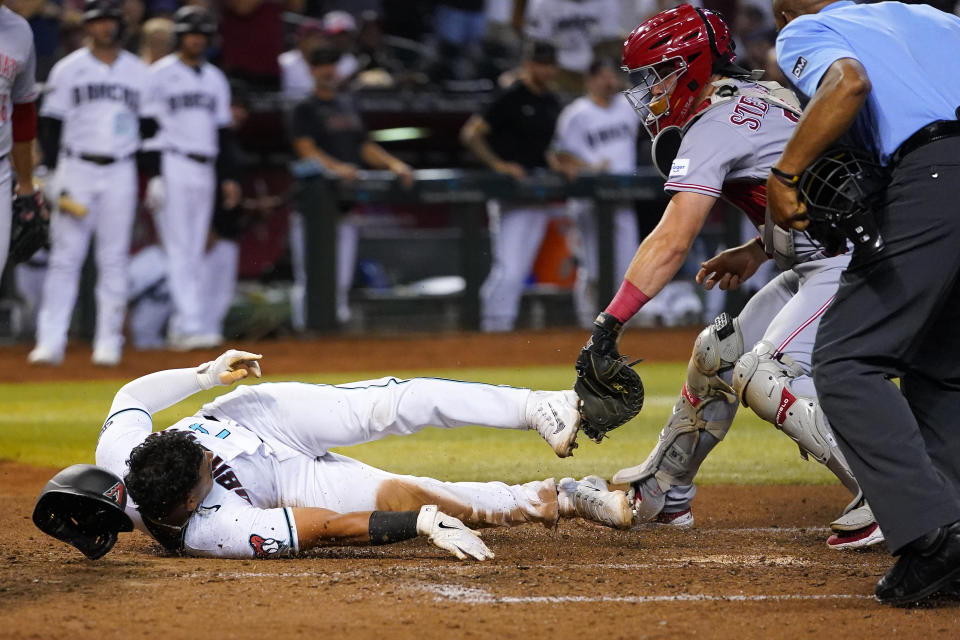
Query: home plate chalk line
(473, 595)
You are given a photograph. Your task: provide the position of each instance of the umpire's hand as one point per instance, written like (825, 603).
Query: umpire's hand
(785, 209)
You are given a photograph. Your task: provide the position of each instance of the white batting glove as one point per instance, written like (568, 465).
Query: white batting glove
(450, 534)
(230, 367)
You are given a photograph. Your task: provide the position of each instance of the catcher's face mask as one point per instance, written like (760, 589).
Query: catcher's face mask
(652, 88)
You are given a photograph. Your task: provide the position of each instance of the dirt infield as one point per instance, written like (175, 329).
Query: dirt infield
(754, 566)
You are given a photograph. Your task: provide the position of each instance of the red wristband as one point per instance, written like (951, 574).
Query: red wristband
(24, 121)
(627, 302)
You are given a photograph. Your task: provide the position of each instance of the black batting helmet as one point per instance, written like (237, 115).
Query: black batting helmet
(83, 505)
(840, 188)
(96, 9)
(193, 19)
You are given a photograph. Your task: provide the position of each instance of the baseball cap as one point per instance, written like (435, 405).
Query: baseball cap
(540, 51)
(309, 27)
(338, 22)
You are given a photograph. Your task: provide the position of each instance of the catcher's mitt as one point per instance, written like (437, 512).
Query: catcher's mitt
(31, 227)
(611, 392)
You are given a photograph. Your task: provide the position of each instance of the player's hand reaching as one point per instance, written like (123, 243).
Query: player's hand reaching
(732, 267)
(450, 534)
(232, 366)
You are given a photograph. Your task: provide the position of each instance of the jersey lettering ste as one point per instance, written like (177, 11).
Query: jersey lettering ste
(99, 104)
(727, 153)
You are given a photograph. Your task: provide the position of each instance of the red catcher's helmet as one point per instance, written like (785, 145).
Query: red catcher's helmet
(670, 57)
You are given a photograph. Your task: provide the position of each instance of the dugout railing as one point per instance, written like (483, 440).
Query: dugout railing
(321, 198)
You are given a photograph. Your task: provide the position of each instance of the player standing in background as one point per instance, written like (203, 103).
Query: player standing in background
(327, 128)
(190, 99)
(681, 63)
(251, 474)
(90, 128)
(18, 116)
(512, 137)
(597, 133)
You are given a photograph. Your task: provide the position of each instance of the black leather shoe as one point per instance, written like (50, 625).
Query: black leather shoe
(922, 569)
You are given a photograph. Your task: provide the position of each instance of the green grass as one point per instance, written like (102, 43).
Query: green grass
(56, 424)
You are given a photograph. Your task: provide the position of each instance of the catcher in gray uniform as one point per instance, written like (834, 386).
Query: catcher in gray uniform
(717, 131)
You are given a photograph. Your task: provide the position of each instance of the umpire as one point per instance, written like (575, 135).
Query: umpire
(881, 72)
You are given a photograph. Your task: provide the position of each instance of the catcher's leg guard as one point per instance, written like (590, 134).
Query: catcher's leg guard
(683, 446)
(761, 379)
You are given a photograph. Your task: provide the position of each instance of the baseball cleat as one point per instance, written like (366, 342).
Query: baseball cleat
(104, 357)
(679, 519)
(556, 416)
(589, 499)
(857, 528)
(42, 355)
(859, 539)
(646, 500)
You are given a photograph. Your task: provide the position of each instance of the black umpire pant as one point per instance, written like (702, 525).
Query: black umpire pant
(898, 316)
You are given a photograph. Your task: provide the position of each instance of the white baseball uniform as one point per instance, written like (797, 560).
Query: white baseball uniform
(17, 86)
(573, 26)
(100, 107)
(605, 138)
(191, 105)
(727, 153)
(271, 445)
(295, 76)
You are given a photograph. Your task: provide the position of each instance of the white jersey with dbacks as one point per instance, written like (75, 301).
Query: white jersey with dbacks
(600, 135)
(574, 27)
(99, 104)
(17, 70)
(241, 516)
(727, 153)
(190, 104)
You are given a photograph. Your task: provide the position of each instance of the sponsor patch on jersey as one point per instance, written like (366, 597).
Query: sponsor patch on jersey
(799, 66)
(679, 167)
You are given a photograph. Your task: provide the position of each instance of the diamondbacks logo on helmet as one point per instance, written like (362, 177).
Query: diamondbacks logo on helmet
(115, 493)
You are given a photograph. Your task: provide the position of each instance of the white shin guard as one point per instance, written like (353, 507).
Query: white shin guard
(689, 435)
(762, 380)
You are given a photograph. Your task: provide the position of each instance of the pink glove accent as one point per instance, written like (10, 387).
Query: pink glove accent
(627, 302)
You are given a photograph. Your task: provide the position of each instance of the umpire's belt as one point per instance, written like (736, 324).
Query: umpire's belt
(196, 157)
(931, 133)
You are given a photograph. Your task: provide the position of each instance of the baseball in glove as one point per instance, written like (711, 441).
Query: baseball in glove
(611, 392)
(31, 227)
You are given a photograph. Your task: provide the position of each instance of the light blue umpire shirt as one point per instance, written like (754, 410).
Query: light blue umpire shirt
(911, 54)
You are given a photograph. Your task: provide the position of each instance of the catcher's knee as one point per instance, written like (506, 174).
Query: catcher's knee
(718, 346)
(762, 381)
